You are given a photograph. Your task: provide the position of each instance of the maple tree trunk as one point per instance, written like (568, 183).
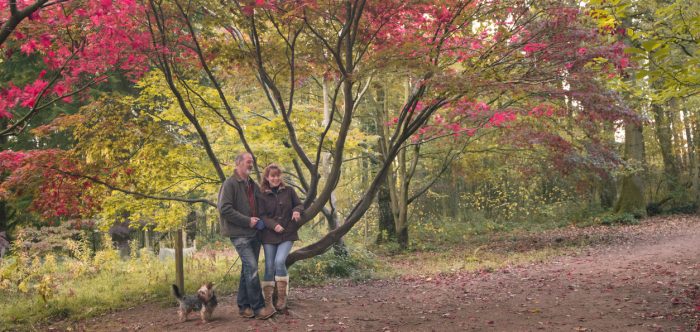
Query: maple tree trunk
(339, 247)
(631, 198)
(331, 214)
(403, 180)
(358, 210)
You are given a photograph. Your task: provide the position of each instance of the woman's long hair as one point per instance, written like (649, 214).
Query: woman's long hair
(265, 186)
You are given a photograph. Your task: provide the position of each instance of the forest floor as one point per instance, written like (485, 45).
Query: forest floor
(642, 277)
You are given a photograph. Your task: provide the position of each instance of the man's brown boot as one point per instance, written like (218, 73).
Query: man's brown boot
(246, 313)
(268, 287)
(282, 292)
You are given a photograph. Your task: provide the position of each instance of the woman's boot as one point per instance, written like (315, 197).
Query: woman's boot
(282, 292)
(268, 287)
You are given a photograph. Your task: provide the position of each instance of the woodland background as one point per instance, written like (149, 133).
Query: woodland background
(407, 126)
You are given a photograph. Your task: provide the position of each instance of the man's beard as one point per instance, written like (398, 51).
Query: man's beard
(244, 172)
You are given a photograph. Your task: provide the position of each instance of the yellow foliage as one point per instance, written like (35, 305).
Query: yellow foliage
(45, 287)
(23, 287)
(105, 259)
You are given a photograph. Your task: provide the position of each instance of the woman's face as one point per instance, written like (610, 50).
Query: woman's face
(275, 178)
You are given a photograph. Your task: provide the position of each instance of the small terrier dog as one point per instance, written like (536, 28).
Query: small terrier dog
(204, 301)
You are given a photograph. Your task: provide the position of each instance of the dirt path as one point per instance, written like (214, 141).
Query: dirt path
(647, 281)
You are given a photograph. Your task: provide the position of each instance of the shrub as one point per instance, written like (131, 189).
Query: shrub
(618, 219)
(358, 264)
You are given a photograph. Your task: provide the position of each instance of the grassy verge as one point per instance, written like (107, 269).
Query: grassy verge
(36, 290)
(43, 290)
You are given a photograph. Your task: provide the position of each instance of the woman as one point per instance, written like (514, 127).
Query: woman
(280, 210)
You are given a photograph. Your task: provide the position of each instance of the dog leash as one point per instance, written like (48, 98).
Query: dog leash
(229, 269)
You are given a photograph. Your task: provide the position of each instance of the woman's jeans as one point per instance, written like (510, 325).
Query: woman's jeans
(249, 290)
(275, 256)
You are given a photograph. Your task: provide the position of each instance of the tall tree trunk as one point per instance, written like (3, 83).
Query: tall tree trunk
(679, 143)
(689, 140)
(387, 228)
(403, 180)
(385, 196)
(607, 184)
(204, 228)
(402, 200)
(631, 198)
(664, 136)
(695, 170)
(608, 191)
(331, 214)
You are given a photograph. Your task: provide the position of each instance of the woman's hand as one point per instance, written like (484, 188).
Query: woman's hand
(296, 215)
(279, 229)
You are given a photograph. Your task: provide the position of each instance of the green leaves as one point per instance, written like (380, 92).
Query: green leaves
(650, 45)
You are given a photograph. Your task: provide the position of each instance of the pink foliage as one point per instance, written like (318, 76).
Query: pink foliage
(78, 41)
(534, 47)
(502, 118)
(44, 175)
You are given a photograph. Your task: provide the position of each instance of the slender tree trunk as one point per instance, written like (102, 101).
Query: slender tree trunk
(331, 215)
(679, 144)
(689, 140)
(387, 229)
(664, 136)
(403, 179)
(606, 182)
(608, 191)
(387, 210)
(695, 170)
(402, 220)
(204, 228)
(631, 198)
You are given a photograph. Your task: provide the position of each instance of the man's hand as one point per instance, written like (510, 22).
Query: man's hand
(254, 221)
(296, 215)
(279, 228)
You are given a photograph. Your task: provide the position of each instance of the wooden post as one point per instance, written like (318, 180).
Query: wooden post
(179, 266)
(147, 239)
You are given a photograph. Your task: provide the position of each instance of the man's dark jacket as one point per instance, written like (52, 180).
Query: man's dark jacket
(234, 207)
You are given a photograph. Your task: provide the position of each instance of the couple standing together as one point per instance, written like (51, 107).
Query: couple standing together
(252, 216)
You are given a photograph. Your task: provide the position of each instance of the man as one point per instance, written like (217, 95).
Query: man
(238, 211)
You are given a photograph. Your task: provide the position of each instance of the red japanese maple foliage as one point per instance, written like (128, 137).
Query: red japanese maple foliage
(47, 175)
(78, 42)
(517, 52)
(559, 46)
(75, 44)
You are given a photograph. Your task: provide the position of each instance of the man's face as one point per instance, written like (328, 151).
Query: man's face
(245, 167)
